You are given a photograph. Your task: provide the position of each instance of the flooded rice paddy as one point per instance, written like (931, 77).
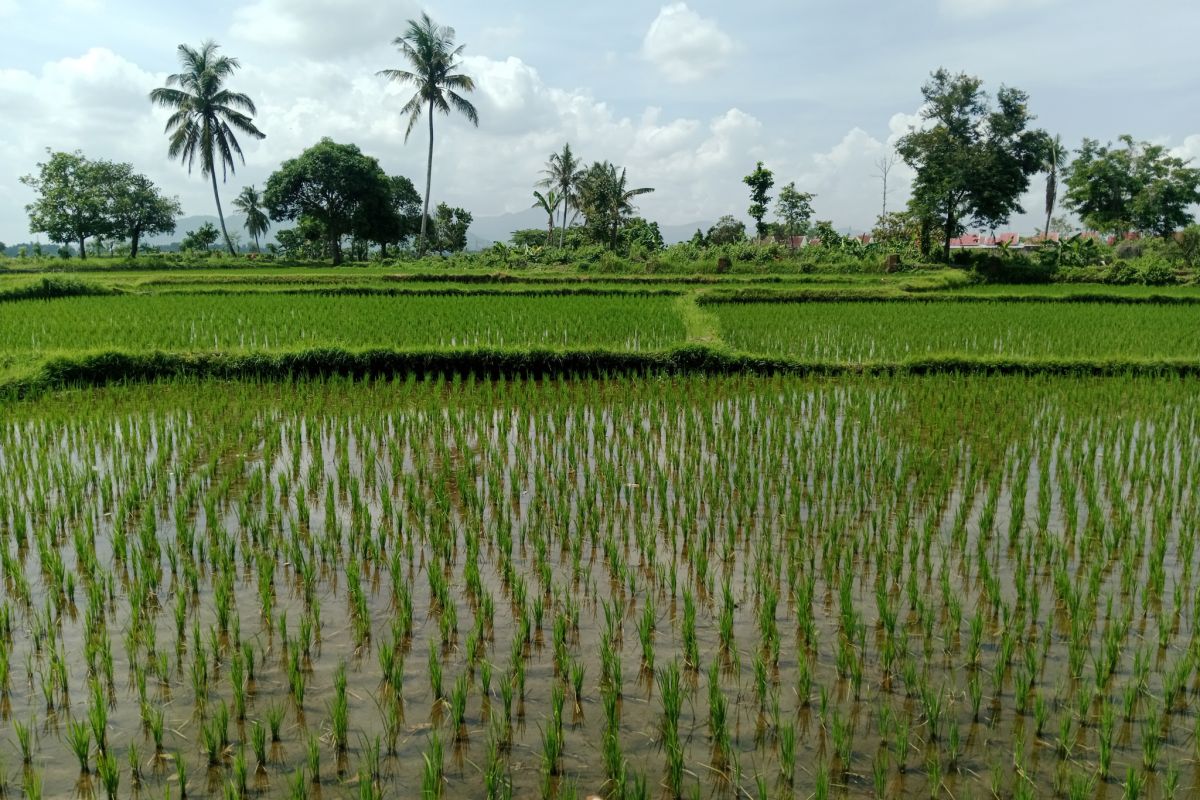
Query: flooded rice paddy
(661, 587)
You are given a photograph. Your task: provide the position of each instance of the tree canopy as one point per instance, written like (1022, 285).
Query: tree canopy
(973, 160)
(206, 116)
(140, 209)
(249, 202)
(80, 199)
(726, 230)
(450, 226)
(760, 182)
(201, 239)
(563, 173)
(1137, 186)
(333, 185)
(794, 209)
(432, 60)
(607, 201)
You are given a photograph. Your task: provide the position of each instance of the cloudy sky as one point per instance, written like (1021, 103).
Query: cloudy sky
(687, 95)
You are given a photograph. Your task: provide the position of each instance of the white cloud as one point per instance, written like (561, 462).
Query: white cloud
(685, 46)
(1189, 149)
(9, 8)
(322, 28)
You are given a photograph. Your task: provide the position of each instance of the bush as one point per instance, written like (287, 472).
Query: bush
(1155, 271)
(1011, 269)
(1121, 273)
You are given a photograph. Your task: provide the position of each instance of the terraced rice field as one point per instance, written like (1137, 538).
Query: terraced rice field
(888, 331)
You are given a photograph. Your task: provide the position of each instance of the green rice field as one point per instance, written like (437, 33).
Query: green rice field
(640, 553)
(883, 331)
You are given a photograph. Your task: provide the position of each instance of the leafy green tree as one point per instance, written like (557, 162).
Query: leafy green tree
(1137, 187)
(726, 230)
(329, 184)
(794, 209)
(75, 198)
(548, 202)
(827, 235)
(563, 172)
(760, 182)
(305, 241)
(1055, 159)
(432, 61)
(395, 221)
(642, 234)
(607, 201)
(698, 239)
(973, 161)
(139, 209)
(450, 226)
(249, 202)
(205, 116)
(203, 238)
(897, 230)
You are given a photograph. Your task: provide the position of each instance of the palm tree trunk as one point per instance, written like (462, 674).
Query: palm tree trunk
(1051, 197)
(428, 183)
(221, 214)
(562, 232)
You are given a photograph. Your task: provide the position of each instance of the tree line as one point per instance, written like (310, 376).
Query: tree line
(332, 191)
(973, 159)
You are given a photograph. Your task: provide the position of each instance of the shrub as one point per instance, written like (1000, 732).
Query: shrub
(1155, 271)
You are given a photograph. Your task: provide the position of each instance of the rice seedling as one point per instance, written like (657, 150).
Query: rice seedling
(312, 754)
(110, 773)
(275, 714)
(79, 736)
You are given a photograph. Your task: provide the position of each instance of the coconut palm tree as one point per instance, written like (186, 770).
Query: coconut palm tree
(606, 200)
(432, 58)
(1056, 156)
(563, 172)
(549, 203)
(249, 202)
(206, 115)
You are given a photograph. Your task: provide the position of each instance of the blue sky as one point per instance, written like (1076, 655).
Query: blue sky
(686, 95)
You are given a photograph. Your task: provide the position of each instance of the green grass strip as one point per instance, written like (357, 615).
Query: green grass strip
(731, 296)
(110, 367)
(702, 327)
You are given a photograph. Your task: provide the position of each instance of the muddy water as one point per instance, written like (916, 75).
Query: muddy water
(831, 497)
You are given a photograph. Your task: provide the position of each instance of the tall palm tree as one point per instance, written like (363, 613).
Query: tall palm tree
(206, 114)
(1056, 156)
(249, 202)
(549, 203)
(432, 58)
(563, 172)
(606, 199)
